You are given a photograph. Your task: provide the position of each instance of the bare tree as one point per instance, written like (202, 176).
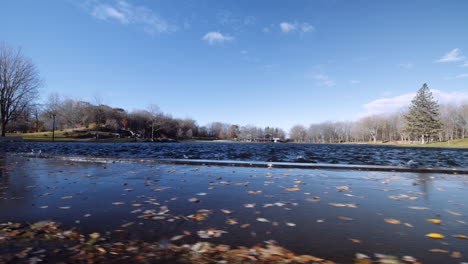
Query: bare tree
(19, 82)
(156, 119)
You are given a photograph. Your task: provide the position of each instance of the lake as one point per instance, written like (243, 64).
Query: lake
(271, 152)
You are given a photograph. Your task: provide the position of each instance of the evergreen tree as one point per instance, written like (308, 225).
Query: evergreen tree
(423, 118)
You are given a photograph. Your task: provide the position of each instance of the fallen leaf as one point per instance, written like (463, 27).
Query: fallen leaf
(291, 189)
(66, 197)
(345, 218)
(290, 224)
(434, 221)
(175, 238)
(343, 205)
(454, 213)
(435, 235)
(65, 207)
(118, 203)
(128, 224)
(418, 208)
(436, 250)
(198, 217)
(231, 222)
(194, 200)
(342, 188)
(263, 220)
(456, 254)
(245, 225)
(392, 221)
(461, 236)
(226, 211)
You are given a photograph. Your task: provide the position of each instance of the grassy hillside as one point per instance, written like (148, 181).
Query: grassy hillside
(68, 135)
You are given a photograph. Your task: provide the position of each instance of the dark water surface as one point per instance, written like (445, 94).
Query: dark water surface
(33, 189)
(307, 153)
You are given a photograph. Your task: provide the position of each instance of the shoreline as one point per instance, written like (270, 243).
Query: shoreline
(457, 143)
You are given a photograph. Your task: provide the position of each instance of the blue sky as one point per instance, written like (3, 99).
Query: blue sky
(265, 62)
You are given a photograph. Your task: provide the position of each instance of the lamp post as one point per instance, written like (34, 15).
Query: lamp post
(53, 127)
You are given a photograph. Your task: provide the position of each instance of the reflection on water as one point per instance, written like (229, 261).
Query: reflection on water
(307, 211)
(424, 180)
(309, 153)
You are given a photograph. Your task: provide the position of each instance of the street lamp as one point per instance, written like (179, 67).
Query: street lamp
(53, 127)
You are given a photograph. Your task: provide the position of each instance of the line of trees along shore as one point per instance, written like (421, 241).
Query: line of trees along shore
(424, 121)
(148, 123)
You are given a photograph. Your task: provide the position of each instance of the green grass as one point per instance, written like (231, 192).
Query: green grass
(457, 143)
(67, 135)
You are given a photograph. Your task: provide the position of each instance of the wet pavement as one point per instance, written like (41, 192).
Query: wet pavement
(330, 214)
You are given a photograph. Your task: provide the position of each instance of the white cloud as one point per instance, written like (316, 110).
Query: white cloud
(464, 75)
(407, 65)
(126, 13)
(453, 55)
(287, 27)
(306, 27)
(323, 80)
(397, 103)
(465, 64)
(105, 12)
(216, 37)
(354, 81)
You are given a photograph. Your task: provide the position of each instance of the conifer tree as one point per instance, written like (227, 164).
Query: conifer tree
(423, 118)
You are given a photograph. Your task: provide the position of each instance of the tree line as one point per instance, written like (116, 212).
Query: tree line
(424, 120)
(150, 123)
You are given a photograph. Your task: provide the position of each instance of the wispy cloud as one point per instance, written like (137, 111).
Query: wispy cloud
(323, 80)
(406, 65)
(464, 75)
(451, 56)
(397, 103)
(215, 37)
(126, 13)
(465, 64)
(288, 27)
(234, 21)
(354, 81)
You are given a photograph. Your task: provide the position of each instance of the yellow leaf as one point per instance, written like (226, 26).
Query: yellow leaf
(461, 236)
(454, 213)
(292, 189)
(435, 235)
(434, 221)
